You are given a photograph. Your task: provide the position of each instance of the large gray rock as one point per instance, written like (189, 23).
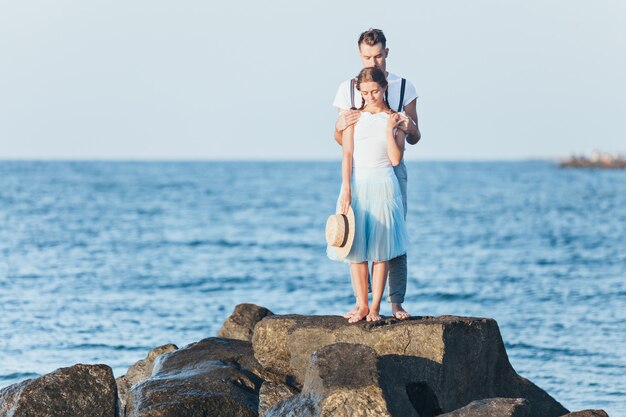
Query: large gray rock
(456, 360)
(213, 377)
(492, 407)
(342, 380)
(240, 324)
(77, 391)
(139, 371)
(345, 380)
(588, 413)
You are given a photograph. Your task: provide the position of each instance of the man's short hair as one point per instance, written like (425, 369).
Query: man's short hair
(372, 36)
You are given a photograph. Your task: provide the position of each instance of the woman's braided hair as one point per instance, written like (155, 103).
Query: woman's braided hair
(371, 74)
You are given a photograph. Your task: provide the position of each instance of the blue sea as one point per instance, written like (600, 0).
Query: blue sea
(102, 261)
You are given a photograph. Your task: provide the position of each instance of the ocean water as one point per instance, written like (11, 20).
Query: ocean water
(102, 261)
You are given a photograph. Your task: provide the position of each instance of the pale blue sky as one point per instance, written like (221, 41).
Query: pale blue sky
(255, 80)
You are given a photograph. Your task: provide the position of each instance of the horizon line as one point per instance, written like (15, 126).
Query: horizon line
(274, 159)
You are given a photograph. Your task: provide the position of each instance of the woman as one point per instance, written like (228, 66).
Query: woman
(371, 147)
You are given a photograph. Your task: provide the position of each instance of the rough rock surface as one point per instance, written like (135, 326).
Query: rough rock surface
(588, 413)
(139, 371)
(456, 360)
(77, 391)
(213, 377)
(342, 380)
(492, 407)
(348, 380)
(240, 324)
(272, 393)
(304, 366)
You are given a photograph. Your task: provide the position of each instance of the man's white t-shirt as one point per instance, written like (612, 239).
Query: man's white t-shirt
(342, 99)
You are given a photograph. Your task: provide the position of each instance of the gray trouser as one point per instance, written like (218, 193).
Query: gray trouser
(397, 266)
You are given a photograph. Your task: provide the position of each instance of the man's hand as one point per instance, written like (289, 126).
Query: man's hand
(346, 118)
(404, 122)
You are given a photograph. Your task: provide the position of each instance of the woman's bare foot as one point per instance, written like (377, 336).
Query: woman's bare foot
(398, 312)
(374, 314)
(351, 312)
(359, 314)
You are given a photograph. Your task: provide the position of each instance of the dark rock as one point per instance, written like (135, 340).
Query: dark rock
(213, 377)
(446, 361)
(77, 391)
(139, 371)
(341, 366)
(236, 353)
(588, 413)
(492, 407)
(272, 393)
(240, 324)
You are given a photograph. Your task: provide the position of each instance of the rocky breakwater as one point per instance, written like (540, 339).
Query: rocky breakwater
(271, 365)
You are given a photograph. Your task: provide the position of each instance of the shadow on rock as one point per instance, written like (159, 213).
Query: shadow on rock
(407, 381)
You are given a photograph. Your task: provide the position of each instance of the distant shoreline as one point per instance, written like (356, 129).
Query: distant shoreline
(597, 160)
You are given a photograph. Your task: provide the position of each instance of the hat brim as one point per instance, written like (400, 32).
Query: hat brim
(343, 251)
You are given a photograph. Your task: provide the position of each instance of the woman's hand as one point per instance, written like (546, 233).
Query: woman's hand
(345, 200)
(394, 121)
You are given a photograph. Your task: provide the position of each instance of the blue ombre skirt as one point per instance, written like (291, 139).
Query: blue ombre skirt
(380, 228)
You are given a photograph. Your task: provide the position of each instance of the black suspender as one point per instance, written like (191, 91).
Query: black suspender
(352, 106)
(401, 105)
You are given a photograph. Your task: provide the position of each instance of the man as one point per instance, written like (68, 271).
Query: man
(401, 96)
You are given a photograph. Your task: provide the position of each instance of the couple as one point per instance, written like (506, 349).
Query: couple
(370, 222)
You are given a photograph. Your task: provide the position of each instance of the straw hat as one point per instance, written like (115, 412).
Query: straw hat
(340, 232)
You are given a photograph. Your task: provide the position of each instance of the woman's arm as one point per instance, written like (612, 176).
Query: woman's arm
(395, 140)
(346, 168)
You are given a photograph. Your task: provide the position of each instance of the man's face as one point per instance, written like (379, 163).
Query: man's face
(373, 55)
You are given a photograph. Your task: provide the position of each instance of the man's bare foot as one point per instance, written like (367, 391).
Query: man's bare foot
(351, 312)
(398, 312)
(358, 315)
(374, 314)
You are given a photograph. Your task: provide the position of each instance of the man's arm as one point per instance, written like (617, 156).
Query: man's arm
(345, 119)
(412, 130)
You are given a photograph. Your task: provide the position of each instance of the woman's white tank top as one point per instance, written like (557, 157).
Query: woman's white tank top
(370, 141)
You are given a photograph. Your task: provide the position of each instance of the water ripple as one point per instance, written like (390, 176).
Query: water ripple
(100, 261)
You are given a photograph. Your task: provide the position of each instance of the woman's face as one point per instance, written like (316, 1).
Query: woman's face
(372, 93)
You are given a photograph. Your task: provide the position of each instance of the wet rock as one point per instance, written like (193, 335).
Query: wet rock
(235, 353)
(213, 377)
(77, 391)
(492, 407)
(139, 371)
(446, 361)
(272, 393)
(296, 406)
(588, 413)
(240, 324)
